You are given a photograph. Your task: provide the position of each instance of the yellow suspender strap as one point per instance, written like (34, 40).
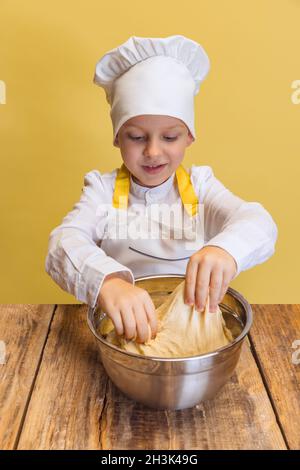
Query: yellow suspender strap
(185, 188)
(121, 191)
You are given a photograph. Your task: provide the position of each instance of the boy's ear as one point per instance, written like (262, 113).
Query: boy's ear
(117, 141)
(190, 139)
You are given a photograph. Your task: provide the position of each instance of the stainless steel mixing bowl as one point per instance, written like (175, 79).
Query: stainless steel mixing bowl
(168, 383)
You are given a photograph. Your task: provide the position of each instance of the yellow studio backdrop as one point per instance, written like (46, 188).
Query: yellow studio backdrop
(55, 124)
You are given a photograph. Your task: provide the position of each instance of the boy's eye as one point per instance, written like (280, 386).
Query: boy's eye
(139, 138)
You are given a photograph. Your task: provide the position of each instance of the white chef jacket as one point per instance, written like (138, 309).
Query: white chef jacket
(81, 254)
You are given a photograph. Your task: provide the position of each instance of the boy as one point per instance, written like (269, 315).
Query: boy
(150, 84)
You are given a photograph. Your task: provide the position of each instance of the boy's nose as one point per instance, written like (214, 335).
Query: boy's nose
(152, 149)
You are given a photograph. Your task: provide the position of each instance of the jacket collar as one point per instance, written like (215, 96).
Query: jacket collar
(155, 193)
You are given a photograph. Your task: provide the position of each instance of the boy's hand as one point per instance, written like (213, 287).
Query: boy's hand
(129, 307)
(209, 269)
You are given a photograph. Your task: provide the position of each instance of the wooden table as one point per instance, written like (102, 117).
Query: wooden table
(55, 394)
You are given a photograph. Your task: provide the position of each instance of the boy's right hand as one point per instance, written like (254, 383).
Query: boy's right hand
(129, 307)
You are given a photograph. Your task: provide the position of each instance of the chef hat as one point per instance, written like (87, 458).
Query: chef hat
(152, 76)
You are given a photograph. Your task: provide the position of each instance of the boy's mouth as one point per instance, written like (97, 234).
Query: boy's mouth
(153, 169)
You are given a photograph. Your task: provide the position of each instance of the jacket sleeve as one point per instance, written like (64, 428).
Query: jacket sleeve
(74, 259)
(244, 229)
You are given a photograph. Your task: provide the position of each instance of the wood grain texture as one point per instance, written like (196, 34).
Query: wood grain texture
(239, 417)
(23, 329)
(73, 405)
(67, 400)
(274, 331)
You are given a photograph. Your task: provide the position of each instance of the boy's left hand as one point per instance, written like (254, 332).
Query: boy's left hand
(209, 270)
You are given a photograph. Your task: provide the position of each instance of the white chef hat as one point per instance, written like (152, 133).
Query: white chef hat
(152, 76)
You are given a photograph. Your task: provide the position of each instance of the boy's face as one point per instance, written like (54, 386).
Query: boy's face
(150, 140)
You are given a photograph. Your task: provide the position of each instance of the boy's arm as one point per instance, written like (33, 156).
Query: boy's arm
(74, 260)
(244, 229)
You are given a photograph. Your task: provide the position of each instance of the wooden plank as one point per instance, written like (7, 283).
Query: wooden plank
(239, 417)
(23, 331)
(67, 400)
(275, 329)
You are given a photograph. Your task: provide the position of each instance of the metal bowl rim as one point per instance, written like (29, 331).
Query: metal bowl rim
(238, 339)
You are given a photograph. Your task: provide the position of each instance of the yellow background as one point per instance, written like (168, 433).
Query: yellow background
(55, 125)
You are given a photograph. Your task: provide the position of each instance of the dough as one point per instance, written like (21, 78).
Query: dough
(182, 330)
